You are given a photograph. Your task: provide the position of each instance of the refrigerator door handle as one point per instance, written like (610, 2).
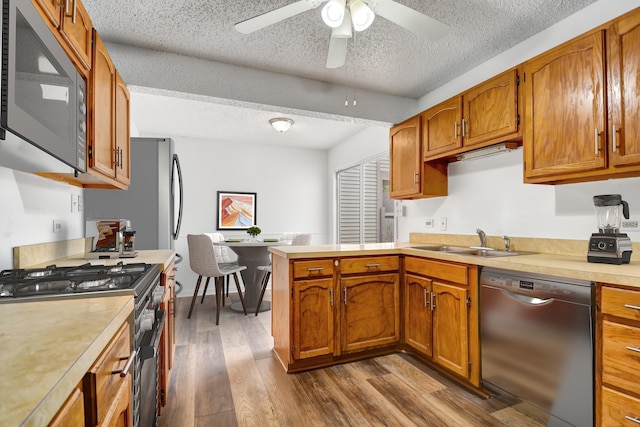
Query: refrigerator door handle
(176, 168)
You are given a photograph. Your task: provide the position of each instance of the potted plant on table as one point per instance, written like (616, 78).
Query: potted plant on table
(253, 232)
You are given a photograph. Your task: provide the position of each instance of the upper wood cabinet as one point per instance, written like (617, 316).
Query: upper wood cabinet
(72, 26)
(108, 145)
(582, 107)
(411, 177)
(483, 115)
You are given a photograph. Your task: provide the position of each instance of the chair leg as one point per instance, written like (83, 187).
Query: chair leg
(226, 282)
(219, 296)
(195, 295)
(235, 277)
(224, 300)
(263, 287)
(206, 285)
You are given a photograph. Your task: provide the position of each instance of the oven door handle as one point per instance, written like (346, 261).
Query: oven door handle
(151, 350)
(127, 367)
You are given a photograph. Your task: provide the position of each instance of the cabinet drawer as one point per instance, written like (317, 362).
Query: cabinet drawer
(619, 409)
(620, 355)
(103, 381)
(313, 268)
(621, 303)
(375, 264)
(455, 273)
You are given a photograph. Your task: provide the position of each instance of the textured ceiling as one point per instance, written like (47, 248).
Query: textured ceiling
(384, 58)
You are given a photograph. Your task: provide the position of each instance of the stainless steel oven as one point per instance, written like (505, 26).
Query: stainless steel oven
(43, 96)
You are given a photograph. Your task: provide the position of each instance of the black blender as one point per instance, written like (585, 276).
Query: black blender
(609, 246)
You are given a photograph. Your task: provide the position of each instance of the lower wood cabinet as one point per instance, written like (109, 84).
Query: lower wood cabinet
(313, 317)
(107, 395)
(440, 314)
(167, 340)
(618, 357)
(71, 414)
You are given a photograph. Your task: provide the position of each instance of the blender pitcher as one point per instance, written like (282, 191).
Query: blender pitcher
(610, 208)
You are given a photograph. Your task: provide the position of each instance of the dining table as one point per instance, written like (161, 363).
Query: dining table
(251, 254)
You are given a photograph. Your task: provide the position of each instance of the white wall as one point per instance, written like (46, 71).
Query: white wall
(291, 187)
(29, 205)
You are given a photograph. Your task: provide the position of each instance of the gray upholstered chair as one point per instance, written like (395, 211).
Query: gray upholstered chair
(224, 257)
(302, 239)
(203, 262)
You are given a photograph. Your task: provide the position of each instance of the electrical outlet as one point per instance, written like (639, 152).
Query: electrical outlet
(74, 203)
(57, 226)
(428, 223)
(629, 224)
(443, 223)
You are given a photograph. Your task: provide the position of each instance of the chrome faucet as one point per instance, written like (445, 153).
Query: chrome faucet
(483, 238)
(507, 243)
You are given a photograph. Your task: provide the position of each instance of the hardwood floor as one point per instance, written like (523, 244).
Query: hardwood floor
(226, 375)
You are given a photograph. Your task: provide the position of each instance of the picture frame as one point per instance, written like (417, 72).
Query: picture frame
(236, 210)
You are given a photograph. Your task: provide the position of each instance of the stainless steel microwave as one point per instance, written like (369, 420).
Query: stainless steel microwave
(43, 96)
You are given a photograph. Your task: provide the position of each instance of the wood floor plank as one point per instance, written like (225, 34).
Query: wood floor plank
(373, 407)
(292, 406)
(451, 402)
(413, 376)
(213, 390)
(251, 399)
(180, 411)
(514, 418)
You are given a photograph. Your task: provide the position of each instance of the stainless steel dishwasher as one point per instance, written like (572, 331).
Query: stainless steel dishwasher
(537, 343)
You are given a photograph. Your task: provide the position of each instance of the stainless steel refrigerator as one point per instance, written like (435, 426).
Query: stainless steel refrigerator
(153, 202)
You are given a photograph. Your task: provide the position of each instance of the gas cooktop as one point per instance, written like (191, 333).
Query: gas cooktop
(58, 281)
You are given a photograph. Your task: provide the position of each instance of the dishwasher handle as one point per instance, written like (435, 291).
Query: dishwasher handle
(525, 299)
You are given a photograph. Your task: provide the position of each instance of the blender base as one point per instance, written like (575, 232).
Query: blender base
(609, 248)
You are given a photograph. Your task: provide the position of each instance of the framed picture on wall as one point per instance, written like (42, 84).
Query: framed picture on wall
(236, 210)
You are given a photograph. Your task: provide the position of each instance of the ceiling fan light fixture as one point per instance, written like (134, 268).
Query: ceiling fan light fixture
(361, 15)
(343, 31)
(281, 124)
(333, 13)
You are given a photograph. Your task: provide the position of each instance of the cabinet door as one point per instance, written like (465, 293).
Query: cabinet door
(313, 318)
(417, 312)
(121, 413)
(618, 409)
(442, 128)
(51, 10)
(406, 159)
(565, 115)
(623, 61)
(450, 328)
(102, 147)
(490, 110)
(76, 28)
(123, 167)
(72, 412)
(370, 311)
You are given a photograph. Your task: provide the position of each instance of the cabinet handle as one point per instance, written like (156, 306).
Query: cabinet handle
(597, 142)
(426, 302)
(415, 178)
(331, 296)
(120, 154)
(312, 269)
(455, 130)
(66, 7)
(344, 291)
(433, 301)
(464, 128)
(117, 157)
(127, 367)
(634, 419)
(633, 307)
(73, 15)
(376, 266)
(614, 138)
(636, 349)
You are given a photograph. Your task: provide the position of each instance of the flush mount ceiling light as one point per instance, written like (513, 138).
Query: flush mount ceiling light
(281, 124)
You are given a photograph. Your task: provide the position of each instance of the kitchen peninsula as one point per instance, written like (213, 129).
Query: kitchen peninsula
(333, 304)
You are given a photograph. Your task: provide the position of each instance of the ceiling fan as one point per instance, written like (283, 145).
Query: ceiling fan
(343, 16)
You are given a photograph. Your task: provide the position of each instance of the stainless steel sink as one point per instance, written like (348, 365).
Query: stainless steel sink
(443, 248)
(471, 251)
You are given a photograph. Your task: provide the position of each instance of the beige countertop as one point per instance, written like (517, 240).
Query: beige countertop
(564, 258)
(161, 257)
(47, 347)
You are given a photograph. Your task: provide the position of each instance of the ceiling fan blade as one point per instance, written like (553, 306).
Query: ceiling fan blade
(259, 22)
(412, 20)
(337, 52)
